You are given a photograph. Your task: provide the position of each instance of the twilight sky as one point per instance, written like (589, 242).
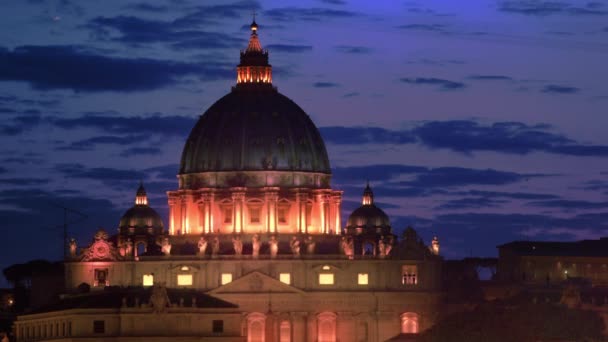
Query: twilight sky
(481, 121)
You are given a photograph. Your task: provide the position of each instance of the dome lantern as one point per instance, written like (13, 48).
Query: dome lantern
(368, 196)
(254, 68)
(141, 198)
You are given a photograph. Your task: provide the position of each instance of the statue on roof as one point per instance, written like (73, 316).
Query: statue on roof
(310, 245)
(202, 245)
(159, 299)
(237, 244)
(73, 248)
(295, 246)
(274, 246)
(255, 244)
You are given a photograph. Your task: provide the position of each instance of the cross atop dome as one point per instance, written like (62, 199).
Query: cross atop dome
(254, 67)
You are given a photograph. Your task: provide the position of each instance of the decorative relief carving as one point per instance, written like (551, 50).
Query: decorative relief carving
(100, 249)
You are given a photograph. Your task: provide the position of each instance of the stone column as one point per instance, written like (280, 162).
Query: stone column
(336, 199)
(201, 216)
(301, 198)
(172, 222)
(238, 198)
(271, 211)
(320, 202)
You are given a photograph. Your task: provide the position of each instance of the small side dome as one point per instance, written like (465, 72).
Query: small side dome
(368, 219)
(141, 219)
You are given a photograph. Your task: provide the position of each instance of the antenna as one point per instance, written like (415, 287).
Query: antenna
(66, 223)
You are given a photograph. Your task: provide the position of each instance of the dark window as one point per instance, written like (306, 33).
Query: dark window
(99, 327)
(227, 215)
(218, 326)
(282, 215)
(254, 214)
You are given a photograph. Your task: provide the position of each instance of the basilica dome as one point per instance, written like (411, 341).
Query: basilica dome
(254, 127)
(368, 219)
(141, 218)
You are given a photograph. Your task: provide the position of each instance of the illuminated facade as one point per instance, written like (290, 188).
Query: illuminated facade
(255, 223)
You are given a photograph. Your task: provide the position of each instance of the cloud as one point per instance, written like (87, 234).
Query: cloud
(289, 48)
(490, 78)
(325, 85)
(354, 49)
(147, 7)
(441, 83)
(289, 14)
(351, 94)
(19, 124)
(216, 14)
(91, 143)
(570, 204)
(155, 125)
(138, 151)
(552, 88)
(510, 195)
(458, 176)
(71, 67)
(134, 31)
(103, 174)
(23, 181)
(470, 203)
(423, 27)
(379, 172)
(364, 135)
(334, 2)
(545, 8)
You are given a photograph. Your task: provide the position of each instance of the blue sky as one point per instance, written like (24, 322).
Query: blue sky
(480, 121)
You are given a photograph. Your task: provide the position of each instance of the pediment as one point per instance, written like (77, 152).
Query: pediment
(255, 282)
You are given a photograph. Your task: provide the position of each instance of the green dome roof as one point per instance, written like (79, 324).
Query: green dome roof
(254, 128)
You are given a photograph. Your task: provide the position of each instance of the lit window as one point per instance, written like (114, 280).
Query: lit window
(326, 267)
(409, 275)
(226, 278)
(227, 215)
(148, 279)
(363, 279)
(184, 280)
(282, 215)
(185, 268)
(326, 278)
(254, 215)
(285, 278)
(409, 323)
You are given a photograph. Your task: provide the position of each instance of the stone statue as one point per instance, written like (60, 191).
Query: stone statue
(129, 248)
(159, 298)
(310, 245)
(165, 246)
(388, 246)
(238, 245)
(215, 247)
(255, 243)
(295, 246)
(347, 247)
(202, 245)
(73, 248)
(381, 247)
(274, 246)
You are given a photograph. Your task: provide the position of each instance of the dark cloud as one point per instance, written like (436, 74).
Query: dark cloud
(163, 172)
(354, 49)
(490, 78)
(289, 14)
(19, 124)
(23, 181)
(510, 195)
(91, 143)
(424, 27)
(147, 7)
(458, 176)
(3, 170)
(289, 48)
(334, 2)
(544, 8)
(14, 100)
(559, 89)
(364, 135)
(206, 14)
(470, 203)
(156, 125)
(570, 204)
(352, 94)
(135, 31)
(325, 85)
(103, 174)
(70, 67)
(138, 151)
(441, 83)
(383, 172)
(468, 136)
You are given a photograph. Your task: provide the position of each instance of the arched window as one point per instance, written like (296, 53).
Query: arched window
(256, 326)
(409, 323)
(326, 326)
(141, 248)
(285, 331)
